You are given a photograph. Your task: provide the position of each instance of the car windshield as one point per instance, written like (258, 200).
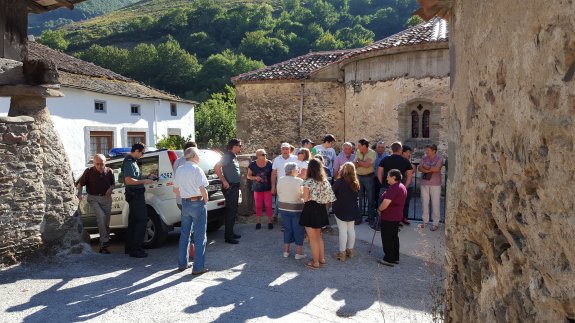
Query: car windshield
(208, 159)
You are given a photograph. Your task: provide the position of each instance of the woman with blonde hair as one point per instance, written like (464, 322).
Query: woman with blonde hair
(346, 189)
(260, 172)
(317, 193)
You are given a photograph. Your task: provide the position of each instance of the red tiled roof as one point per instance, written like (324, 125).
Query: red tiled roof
(298, 68)
(433, 31)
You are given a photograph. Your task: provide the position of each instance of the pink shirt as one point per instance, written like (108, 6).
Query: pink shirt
(435, 177)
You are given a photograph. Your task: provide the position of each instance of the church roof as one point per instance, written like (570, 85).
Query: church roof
(432, 31)
(298, 68)
(76, 73)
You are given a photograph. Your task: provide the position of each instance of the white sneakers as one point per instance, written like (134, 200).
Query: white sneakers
(286, 254)
(297, 257)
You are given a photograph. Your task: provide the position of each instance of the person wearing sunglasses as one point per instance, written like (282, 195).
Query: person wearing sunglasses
(260, 173)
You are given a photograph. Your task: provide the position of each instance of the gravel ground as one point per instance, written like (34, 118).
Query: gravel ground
(250, 281)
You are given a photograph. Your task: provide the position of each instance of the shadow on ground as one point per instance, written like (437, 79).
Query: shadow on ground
(247, 281)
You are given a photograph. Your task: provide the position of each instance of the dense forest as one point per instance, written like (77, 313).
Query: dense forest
(192, 48)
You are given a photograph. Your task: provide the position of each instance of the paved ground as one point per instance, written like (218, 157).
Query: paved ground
(248, 282)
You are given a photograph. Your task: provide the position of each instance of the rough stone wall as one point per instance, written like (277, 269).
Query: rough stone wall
(37, 201)
(268, 113)
(510, 214)
(22, 193)
(377, 111)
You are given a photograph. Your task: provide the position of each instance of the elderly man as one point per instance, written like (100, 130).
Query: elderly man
(99, 181)
(134, 194)
(346, 155)
(190, 183)
(179, 162)
(228, 170)
(278, 168)
(380, 155)
(364, 161)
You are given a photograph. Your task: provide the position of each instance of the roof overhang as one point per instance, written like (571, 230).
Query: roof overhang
(40, 6)
(393, 51)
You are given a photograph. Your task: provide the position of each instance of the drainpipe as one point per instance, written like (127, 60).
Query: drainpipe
(301, 109)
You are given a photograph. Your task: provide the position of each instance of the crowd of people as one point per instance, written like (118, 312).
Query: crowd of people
(308, 182)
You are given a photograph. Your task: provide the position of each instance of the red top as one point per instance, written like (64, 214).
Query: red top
(397, 194)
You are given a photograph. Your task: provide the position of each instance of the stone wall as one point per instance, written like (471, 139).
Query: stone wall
(379, 110)
(510, 214)
(268, 113)
(22, 193)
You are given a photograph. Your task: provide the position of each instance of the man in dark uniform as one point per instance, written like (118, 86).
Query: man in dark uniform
(135, 197)
(228, 170)
(99, 181)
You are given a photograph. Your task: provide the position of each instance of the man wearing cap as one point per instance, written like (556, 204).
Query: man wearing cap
(327, 152)
(190, 184)
(99, 181)
(228, 170)
(306, 143)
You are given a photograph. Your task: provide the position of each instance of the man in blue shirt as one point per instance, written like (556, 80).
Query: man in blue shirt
(134, 194)
(228, 170)
(380, 154)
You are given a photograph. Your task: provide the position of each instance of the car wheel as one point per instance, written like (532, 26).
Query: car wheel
(155, 235)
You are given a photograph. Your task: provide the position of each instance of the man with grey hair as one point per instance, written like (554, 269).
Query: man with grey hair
(179, 162)
(346, 155)
(190, 183)
(99, 181)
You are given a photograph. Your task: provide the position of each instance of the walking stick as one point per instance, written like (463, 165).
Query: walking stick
(376, 224)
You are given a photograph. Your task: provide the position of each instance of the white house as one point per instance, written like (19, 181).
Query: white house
(102, 109)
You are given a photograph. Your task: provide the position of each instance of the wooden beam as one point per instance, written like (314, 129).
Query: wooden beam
(66, 4)
(35, 7)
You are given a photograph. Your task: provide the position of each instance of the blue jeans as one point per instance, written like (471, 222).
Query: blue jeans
(194, 214)
(293, 232)
(366, 192)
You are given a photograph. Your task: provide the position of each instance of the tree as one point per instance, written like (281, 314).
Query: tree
(216, 119)
(413, 21)
(54, 39)
(259, 46)
(355, 37)
(176, 68)
(142, 64)
(172, 142)
(109, 57)
(327, 41)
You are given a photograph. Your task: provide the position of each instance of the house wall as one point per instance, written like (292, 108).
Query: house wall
(510, 206)
(268, 113)
(74, 117)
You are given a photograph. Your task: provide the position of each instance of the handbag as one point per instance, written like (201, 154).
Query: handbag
(426, 176)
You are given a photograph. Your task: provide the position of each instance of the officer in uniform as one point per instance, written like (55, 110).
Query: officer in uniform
(135, 197)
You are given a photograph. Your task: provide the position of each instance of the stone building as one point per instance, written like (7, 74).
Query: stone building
(395, 89)
(510, 214)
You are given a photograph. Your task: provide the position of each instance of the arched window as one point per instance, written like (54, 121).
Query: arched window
(414, 124)
(425, 124)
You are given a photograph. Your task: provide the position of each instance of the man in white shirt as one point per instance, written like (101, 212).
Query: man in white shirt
(190, 183)
(179, 162)
(278, 168)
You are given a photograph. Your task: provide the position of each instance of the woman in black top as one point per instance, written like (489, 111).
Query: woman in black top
(260, 172)
(346, 189)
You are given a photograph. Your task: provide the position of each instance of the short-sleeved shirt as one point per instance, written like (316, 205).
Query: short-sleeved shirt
(265, 173)
(394, 211)
(328, 155)
(321, 192)
(131, 169)
(435, 177)
(280, 162)
(97, 183)
(395, 162)
(370, 154)
(378, 160)
(289, 194)
(231, 168)
(189, 178)
(340, 160)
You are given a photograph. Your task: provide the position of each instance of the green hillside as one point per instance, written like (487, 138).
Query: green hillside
(191, 48)
(82, 11)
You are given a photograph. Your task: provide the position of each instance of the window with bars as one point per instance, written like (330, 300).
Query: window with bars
(425, 124)
(135, 109)
(414, 124)
(100, 106)
(136, 137)
(173, 109)
(100, 142)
